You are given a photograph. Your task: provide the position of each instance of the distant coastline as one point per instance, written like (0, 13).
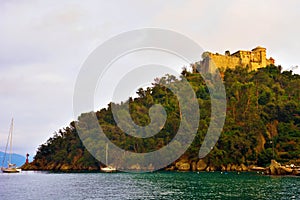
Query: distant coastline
(18, 159)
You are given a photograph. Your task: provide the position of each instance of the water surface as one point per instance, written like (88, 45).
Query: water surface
(158, 185)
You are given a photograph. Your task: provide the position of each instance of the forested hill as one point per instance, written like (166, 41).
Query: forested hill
(262, 122)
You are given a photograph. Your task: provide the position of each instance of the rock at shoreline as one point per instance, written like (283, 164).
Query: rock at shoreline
(223, 168)
(257, 169)
(171, 168)
(275, 168)
(65, 167)
(244, 167)
(210, 168)
(194, 166)
(57, 167)
(228, 168)
(233, 167)
(184, 167)
(151, 167)
(135, 167)
(93, 168)
(28, 167)
(238, 169)
(201, 165)
(207, 169)
(296, 172)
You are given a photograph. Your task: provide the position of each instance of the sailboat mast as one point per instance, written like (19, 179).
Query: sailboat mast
(106, 154)
(10, 133)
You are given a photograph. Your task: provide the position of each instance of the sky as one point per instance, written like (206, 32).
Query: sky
(44, 43)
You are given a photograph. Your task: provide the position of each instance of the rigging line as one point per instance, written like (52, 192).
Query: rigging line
(7, 144)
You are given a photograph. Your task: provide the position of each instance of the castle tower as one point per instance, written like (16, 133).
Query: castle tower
(259, 56)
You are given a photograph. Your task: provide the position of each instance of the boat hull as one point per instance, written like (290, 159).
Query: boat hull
(108, 169)
(11, 170)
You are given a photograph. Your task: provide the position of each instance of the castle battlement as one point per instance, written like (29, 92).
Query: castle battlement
(254, 59)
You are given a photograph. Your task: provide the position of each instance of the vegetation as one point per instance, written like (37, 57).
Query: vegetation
(262, 122)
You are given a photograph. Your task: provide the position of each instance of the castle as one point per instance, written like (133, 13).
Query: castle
(254, 59)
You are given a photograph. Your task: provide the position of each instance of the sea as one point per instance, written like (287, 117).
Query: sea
(155, 185)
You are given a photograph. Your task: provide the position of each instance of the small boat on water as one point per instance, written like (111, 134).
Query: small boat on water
(108, 168)
(11, 168)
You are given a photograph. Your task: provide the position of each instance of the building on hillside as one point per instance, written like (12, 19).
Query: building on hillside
(254, 59)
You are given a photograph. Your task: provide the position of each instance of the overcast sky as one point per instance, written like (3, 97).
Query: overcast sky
(43, 44)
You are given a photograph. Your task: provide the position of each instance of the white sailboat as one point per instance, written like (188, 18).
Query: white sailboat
(11, 168)
(108, 168)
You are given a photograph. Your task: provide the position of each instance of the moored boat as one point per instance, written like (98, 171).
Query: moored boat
(108, 168)
(11, 168)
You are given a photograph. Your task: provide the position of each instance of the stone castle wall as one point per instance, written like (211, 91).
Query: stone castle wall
(225, 62)
(254, 59)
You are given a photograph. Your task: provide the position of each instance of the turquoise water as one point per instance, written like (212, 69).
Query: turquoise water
(159, 185)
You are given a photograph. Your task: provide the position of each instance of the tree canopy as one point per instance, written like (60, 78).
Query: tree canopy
(262, 121)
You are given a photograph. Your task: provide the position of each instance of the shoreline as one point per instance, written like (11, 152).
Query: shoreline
(159, 171)
(275, 168)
